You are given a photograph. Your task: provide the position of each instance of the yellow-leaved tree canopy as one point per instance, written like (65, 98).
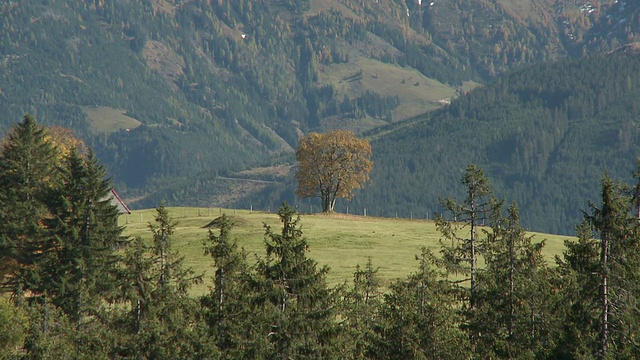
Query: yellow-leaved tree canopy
(64, 141)
(331, 165)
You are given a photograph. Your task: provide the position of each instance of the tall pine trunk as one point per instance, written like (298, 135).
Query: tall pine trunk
(604, 320)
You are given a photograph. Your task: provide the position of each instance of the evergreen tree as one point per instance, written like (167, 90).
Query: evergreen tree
(619, 267)
(419, 319)
(602, 268)
(83, 234)
(461, 253)
(300, 308)
(514, 295)
(578, 292)
(162, 233)
(27, 173)
(362, 304)
(57, 237)
(227, 308)
(163, 321)
(136, 283)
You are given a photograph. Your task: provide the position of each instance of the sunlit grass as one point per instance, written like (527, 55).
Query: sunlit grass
(104, 119)
(339, 241)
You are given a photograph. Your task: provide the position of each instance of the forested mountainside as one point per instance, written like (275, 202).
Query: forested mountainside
(173, 94)
(545, 136)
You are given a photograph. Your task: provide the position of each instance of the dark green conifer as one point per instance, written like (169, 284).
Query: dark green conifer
(362, 303)
(601, 270)
(300, 307)
(27, 173)
(419, 318)
(461, 236)
(514, 295)
(162, 320)
(227, 308)
(83, 235)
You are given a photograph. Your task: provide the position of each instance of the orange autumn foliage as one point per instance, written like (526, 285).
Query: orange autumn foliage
(332, 165)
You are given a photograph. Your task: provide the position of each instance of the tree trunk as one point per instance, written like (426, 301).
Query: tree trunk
(511, 281)
(324, 196)
(163, 260)
(221, 291)
(604, 332)
(472, 256)
(138, 315)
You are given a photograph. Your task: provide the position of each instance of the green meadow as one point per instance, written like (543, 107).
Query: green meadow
(338, 241)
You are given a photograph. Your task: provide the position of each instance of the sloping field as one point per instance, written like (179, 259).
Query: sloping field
(417, 92)
(104, 119)
(338, 241)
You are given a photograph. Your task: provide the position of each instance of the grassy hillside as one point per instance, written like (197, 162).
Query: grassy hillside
(104, 119)
(338, 241)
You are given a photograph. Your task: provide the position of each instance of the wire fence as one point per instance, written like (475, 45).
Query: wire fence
(148, 215)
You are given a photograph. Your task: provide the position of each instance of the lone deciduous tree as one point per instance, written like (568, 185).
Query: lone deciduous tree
(332, 165)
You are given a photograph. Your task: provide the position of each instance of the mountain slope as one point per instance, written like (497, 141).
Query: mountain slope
(175, 92)
(545, 135)
(240, 78)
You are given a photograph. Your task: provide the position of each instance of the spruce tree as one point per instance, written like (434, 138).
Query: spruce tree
(162, 232)
(461, 235)
(300, 307)
(602, 269)
(419, 318)
(83, 233)
(619, 267)
(162, 321)
(136, 283)
(227, 308)
(578, 296)
(362, 303)
(27, 173)
(514, 295)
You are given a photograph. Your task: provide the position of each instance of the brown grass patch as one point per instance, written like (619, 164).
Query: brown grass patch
(277, 170)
